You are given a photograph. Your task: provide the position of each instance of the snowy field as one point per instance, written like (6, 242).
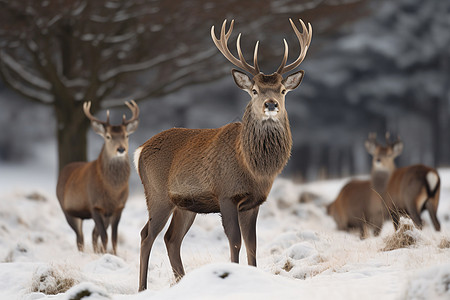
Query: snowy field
(300, 255)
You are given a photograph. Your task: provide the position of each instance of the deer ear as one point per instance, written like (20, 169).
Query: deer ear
(370, 147)
(131, 127)
(397, 149)
(98, 128)
(242, 80)
(293, 81)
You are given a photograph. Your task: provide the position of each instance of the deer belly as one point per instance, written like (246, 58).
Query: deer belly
(75, 204)
(203, 203)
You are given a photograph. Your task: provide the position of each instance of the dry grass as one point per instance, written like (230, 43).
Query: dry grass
(52, 280)
(445, 243)
(405, 236)
(288, 266)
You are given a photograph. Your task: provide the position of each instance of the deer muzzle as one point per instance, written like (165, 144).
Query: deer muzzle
(271, 108)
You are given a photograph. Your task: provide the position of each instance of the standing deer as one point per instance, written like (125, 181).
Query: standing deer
(410, 190)
(99, 189)
(359, 203)
(228, 170)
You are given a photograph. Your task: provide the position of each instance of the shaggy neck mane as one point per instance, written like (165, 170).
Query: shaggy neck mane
(116, 171)
(266, 144)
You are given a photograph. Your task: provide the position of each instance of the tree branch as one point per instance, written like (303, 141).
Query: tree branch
(30, 93)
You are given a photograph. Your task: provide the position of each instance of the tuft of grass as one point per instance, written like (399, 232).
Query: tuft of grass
(51, 280)
(288, 266)
(445, 243)
(405, 236)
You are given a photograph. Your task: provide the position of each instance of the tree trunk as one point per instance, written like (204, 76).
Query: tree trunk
(72, 126)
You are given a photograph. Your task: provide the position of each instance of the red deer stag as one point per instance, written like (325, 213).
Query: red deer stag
(359, 204)
(228, 170)
(410, 190)
(99, 189)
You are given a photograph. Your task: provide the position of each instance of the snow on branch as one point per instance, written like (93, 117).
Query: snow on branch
(33, 94)
(17, 68)
(141, 66)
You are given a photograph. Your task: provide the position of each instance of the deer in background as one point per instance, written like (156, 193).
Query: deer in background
(99, 189)
(406, 191)
(228, 170)
(410, 190)
(359, 204)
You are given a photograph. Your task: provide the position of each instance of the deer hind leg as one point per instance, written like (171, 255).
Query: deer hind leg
(181, 222)
(414, 207)
(76, 225)
(100, 229)
(158, 216)
(230, 224)
(431, 206)
(114, 226)
(247, 223)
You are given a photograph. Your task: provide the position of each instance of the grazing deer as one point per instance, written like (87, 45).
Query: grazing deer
(410, 190)
(359, 204)
(99, 189)
(228, 170)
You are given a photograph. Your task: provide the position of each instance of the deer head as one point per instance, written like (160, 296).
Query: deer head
(383, 156)
(267, 91)
(115, 136)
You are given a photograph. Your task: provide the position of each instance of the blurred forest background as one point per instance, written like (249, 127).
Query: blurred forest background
(372, 66)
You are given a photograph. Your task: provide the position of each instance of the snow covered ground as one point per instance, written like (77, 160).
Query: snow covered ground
(300, 252)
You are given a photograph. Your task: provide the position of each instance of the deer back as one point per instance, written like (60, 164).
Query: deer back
(413, 183)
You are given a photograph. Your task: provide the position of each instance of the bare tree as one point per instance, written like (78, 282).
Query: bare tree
(63, 52)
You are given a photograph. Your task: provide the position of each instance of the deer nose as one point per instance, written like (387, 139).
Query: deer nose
(121, 150)
(271, 105)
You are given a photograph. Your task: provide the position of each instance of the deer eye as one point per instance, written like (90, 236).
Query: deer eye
(283, 92)
(254, 92)
(108, 137)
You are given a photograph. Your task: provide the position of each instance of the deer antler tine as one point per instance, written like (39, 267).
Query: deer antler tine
(107, 117)
(304, 39)
(255, 57)
(222, 31)
(221, 44)
(373, 137)
(310, 34)
(227, 35)
(134, 110)
(285, 57)
(87, 112)
(238, 47)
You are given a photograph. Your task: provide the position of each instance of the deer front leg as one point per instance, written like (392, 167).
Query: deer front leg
(76, 225)
(100, 228)
(114, 226)
(247, 222)
(230, 224)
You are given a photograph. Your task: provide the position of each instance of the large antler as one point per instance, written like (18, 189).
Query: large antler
(134, 110)
(221, 44)
(87, 108)
(304, 39)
